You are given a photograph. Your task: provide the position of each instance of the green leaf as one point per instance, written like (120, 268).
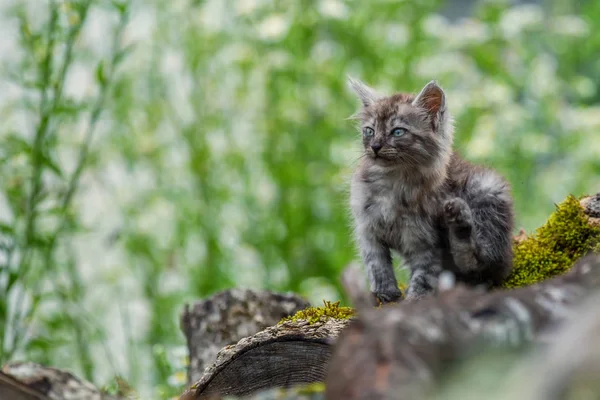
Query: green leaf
(69, 107)
(6, 229)
(100, 74)
(120, 56)
(15, 144)
(121, 6)
(51, 165)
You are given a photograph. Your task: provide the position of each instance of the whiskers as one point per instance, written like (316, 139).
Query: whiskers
(409, 159)
(390, 156)
(362, 155)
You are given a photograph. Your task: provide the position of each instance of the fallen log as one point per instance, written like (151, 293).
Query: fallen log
(566, 366)
(284, 355)
(401, 341)
(228, 316)
(30, 381)
(571, 363)
(11, 388)
(399, 351)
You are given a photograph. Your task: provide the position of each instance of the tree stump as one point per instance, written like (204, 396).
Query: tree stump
(284, 355)
(226, 317)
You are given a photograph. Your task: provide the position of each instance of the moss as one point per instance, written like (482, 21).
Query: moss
(311, 388)
(403, 287)
(555, 246)
(316, 314)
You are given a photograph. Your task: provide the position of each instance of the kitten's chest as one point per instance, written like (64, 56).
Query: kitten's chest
(403, 223)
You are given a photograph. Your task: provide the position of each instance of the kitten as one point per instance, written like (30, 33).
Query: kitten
(412, 194)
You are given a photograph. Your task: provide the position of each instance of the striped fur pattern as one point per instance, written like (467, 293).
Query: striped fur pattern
(413, 195)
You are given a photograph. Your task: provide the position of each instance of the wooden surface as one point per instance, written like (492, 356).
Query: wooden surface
(275, 364)
(12, 389)
(399, 351)
(226, 317)
(30, 381)
(283, 355)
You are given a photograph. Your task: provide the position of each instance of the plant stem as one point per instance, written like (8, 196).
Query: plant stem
(84, 149)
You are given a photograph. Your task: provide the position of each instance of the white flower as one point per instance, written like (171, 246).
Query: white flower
(398, 34)
(570, 25)
(333, 9)
(584, 86)
(436, 25)
(517, 18)
(581, 118)
(245, 7)
(542, 76)
(469, 31)
(273, 27)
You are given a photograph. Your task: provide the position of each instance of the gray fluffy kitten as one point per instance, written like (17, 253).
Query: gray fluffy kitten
(411, 193)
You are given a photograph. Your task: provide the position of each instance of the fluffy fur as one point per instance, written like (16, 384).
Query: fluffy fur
(412, 194)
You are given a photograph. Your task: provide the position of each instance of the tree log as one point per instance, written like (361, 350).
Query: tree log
(30, 381)
(226, 317)
(571, 364)
(399, 351)
(284, 355)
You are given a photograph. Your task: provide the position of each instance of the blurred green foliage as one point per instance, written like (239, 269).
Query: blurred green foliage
(154, 152)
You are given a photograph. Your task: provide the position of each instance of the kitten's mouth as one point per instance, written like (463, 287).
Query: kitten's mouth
(380, 157)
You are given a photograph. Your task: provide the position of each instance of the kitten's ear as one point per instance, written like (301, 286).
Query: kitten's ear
(366, 94)
(432, 99)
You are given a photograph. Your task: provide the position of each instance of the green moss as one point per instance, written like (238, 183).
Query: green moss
(316, 314)
(311, 388)
(555, 246)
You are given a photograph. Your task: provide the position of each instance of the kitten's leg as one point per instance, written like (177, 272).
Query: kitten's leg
(425, 269)
(480, 236)
(461, 233)
(380, 270)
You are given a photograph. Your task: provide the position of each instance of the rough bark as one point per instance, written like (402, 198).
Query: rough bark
(228, 316)
(399, 351)
(283, 355)
(30, 381)
(571, 364)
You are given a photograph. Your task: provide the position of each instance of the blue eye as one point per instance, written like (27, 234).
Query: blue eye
(368, 132)
(398, 132)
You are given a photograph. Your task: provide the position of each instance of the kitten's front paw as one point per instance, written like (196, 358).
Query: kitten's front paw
(457, 212)
(387, 296)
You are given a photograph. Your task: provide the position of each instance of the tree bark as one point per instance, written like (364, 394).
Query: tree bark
(399, 351)
(226, 317)
(283, 355)
(571, 364)
(30, 381)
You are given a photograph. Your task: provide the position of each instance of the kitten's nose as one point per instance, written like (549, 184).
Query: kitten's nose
(376, 148)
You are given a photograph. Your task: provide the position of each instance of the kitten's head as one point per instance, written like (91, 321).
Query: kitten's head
(403, 129)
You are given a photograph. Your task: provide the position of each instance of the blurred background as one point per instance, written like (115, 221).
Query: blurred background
(154, 152)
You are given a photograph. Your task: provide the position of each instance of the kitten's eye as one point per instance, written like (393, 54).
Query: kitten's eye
(398, 132)
(368, 132)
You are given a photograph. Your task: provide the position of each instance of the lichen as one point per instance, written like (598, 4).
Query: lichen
(555, 246)
(316, 314)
